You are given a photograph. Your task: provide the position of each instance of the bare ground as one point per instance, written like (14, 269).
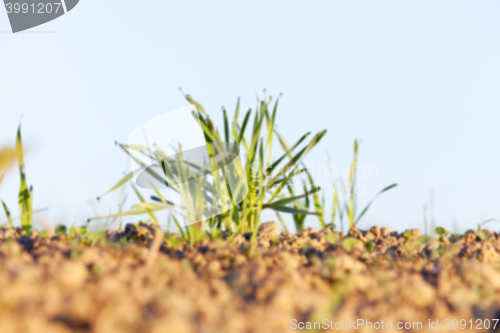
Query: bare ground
(141, 281)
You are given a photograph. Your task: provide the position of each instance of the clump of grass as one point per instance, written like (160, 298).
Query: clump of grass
(271, 181)
(25, 196)
(267, 178)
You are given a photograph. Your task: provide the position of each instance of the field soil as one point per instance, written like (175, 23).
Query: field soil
(140, 280)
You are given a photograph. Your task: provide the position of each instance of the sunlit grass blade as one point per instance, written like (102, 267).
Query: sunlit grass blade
(317, 203)
(270, 130)
(234, 127)
(295, 159)
(335, 202)
(190, 99)
(137, 211)
(284, 181)
(24, 198)
(255, 140)
(207, 129)
(9, 216)
(226, 126)
(286, 201)
(371, 201)
(136, 160)
(155, 198)
(351, 185)
(280, 219)
(291, 210)
(287, 150)
(151, 206)
(243, 126)
(168, 204)
(120, 209)
(148, 210)
(19, 148)
(120, 183)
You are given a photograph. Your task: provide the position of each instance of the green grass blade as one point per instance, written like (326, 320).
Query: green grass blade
(280, 219)
(270, 130)
(294, 160)
(19, 149)
(159, 199)
(287, 150)
(226, 126)
(234, 128)
(24, 198)
(9, 217)
(148, 210)
(317, 203)
(350, 185)
(137, 211)
(286, 201)
(167, 203)
(120, 183)
(290, 210)
(371, 201)
(190, 99)
(244, 126)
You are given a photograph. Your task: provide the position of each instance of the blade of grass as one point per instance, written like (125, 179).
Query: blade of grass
(291, 210)
(371, 201)
(243, 126)
(287, 150)
(120, 183)
(148, 210)
(314, 141)
(24, 198)
(350, 185)
(226, 125)
(234, 127)
(317, 203)
(283, 225)
(286, 201)
(165, 202)
(9, 217)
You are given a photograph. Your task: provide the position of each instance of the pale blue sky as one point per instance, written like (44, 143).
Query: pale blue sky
(417, 81)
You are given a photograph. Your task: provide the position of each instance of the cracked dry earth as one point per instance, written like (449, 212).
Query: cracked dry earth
(151, 283)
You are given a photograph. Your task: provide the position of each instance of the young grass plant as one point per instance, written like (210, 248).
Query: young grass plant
(266, 178)
(348, 205)
(25, 196)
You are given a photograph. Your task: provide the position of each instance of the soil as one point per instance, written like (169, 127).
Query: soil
(141, 281)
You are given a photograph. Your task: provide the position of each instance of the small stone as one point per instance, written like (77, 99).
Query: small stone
(268, 231)
(375, 230)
